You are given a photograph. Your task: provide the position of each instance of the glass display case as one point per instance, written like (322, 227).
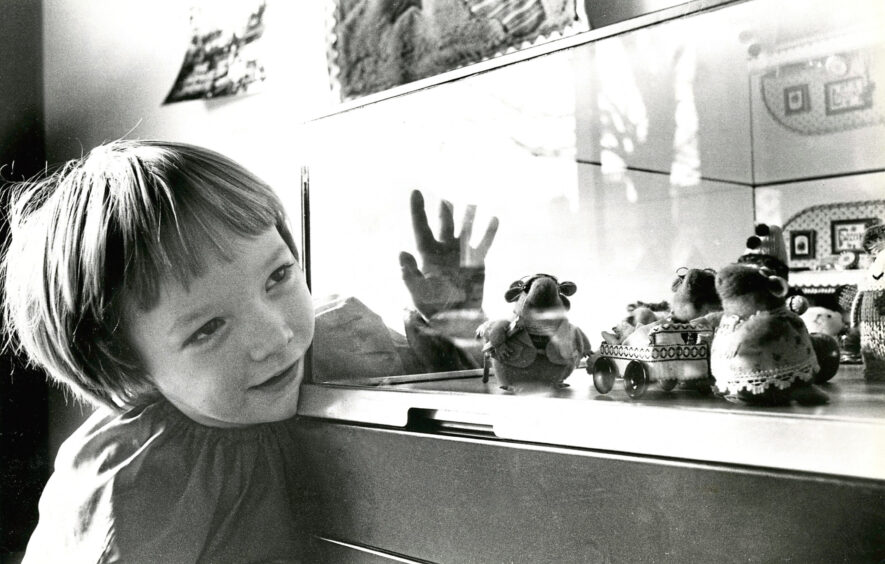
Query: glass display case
(610, 159)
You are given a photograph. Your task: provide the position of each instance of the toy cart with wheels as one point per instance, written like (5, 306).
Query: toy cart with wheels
(674, 353)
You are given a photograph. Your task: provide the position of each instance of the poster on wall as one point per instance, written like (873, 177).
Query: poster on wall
(374, 45)
(224, 55)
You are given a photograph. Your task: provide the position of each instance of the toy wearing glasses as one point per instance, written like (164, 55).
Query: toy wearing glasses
(538, 346)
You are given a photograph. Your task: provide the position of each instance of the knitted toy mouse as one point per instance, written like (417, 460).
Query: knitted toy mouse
(762, 352)
(538, 346)
(868, 307)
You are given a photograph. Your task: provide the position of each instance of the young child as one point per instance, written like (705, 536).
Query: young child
(160, 280)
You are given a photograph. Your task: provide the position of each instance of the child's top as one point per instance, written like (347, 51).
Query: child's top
(195, 491)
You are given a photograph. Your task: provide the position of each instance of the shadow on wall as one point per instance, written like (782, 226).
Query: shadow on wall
(21, 148)
(23, 391)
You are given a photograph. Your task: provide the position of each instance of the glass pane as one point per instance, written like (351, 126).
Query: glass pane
(611, 165)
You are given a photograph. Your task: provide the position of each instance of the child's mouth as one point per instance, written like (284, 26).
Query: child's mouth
(278, 380)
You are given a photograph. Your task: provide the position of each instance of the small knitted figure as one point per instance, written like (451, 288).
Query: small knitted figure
(538, 346)
(868, 307)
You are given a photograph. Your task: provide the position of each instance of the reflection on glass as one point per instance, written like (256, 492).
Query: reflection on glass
(610, 164)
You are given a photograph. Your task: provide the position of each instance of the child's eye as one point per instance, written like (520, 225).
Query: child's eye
(207, 330)
(279, 275)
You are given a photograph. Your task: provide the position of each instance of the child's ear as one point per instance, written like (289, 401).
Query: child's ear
(778, 286)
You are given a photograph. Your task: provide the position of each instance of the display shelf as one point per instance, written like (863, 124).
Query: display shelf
(845, 437)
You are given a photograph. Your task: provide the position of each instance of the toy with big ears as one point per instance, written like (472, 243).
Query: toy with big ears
(762, 352)
(538, 346)
(868, 306)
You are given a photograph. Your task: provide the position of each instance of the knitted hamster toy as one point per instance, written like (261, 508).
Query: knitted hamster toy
(868, 307)
(694, 294)
(538, 346)
(762, 352)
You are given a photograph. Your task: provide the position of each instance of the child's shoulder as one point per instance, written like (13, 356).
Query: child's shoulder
(156, 439)
(108, 439)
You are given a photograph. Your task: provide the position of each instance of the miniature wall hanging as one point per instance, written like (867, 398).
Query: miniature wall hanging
(538, 346)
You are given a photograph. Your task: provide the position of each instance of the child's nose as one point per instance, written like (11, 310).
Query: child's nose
(270, 335)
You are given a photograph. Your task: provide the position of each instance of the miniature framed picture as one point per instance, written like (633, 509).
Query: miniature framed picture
(796, 99)
(802, 245)
(847, 234)
(847, 95)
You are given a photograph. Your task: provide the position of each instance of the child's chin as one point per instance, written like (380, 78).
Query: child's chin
(289, 410)
(284, 408)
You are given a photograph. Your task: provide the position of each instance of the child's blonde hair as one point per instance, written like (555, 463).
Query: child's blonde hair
(123, 219)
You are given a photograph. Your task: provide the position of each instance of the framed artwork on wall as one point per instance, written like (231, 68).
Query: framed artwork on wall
(374, 45)
(802, 244)
(846, 234)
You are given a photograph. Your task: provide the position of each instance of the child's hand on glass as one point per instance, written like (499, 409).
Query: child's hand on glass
(452, 272)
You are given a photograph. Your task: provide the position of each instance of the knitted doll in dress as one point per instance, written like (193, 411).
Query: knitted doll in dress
(868, 308)
(766, 248)
(762, 352)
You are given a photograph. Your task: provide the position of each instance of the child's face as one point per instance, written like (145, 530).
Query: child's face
(229, 350)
